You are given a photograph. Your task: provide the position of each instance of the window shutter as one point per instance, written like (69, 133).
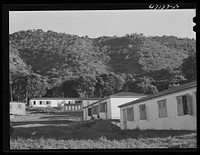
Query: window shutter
(142, 108)
(130, 114)
(179, 105)
(92, 110)
(189, 104)
(144, 111)
(159, 109)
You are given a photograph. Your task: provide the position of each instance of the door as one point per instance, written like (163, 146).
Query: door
(124, 118)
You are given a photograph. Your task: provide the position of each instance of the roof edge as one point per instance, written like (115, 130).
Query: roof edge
(165, 92)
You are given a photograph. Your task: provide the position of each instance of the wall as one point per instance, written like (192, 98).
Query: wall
(115, 102)
(54, 103)
(101, 115)
(88, 102)
(172, 121)
(18, 111)
(106, 115)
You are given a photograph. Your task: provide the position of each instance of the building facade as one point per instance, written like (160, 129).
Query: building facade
(107, 108)
(174, 109)
(70, 104)
(17, 108)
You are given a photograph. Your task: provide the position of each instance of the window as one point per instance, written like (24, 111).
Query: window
(130, 114)
(40, 102)
(95, 110)
(142, 109)
(89, 111)
(102, 107)
(162, 109)
(184, 105)
(19, 106)
(48, 102)
(34, 102)
(78, 102)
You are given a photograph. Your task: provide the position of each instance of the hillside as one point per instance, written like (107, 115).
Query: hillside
(59, 57)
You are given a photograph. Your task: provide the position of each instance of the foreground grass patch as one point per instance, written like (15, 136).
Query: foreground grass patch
(187, 141)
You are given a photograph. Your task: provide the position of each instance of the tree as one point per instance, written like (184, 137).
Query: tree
(17, 67)
(85, 85)
(28, 86)
(108, 84)
(129, 80)
(188, 67)
(145, 85)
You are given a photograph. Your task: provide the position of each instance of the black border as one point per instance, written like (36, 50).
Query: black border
(62, 6)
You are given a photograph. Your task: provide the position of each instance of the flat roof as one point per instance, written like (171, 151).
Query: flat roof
(118, 95)
(59, 98)
(165, 92)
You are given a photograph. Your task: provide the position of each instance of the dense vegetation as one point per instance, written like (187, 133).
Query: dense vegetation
(63, 65)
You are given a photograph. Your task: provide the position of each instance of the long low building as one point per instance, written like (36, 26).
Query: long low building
(174, 108)
(70, 104)
(107, 108)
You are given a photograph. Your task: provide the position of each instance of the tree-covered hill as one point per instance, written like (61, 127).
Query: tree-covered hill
(87, 66)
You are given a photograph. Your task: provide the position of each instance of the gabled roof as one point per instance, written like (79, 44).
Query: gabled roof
(60, 98)
(165, 92)
(119, 95)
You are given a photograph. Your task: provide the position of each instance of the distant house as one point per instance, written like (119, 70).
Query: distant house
(70, 104)
(17, 108)
(106, 108)
(174, 108)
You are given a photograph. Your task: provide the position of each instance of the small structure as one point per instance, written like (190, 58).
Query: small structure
(174, 108)
(106, 108)
(17, 108)
(70, 104)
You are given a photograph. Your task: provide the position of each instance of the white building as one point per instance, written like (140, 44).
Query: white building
(107, 108)
(70, 104)
(174, 108)
(17, 108)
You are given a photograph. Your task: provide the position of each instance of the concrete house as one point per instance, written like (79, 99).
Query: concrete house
(107, 108)
(17, 108)
(174, 108)
(70, 104)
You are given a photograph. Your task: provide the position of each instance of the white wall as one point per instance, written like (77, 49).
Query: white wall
(115, 102)
(16, 110)
(113, 112)
(172, 121)
(54, 103)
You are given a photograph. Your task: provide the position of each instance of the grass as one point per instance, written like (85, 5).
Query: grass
(89, 134)
(104, 143)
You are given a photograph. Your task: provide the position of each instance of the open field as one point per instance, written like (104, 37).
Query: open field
(67, 131)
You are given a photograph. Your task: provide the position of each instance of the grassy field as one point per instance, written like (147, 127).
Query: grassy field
(67, 131)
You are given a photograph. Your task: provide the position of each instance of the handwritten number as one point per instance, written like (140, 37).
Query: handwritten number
(163, 7)
(156, 6)
(151, 6)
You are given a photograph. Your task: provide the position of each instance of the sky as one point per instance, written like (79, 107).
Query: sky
(96, 23)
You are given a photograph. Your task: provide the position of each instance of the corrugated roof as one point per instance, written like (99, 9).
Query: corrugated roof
(168, 91)
(118, 95)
